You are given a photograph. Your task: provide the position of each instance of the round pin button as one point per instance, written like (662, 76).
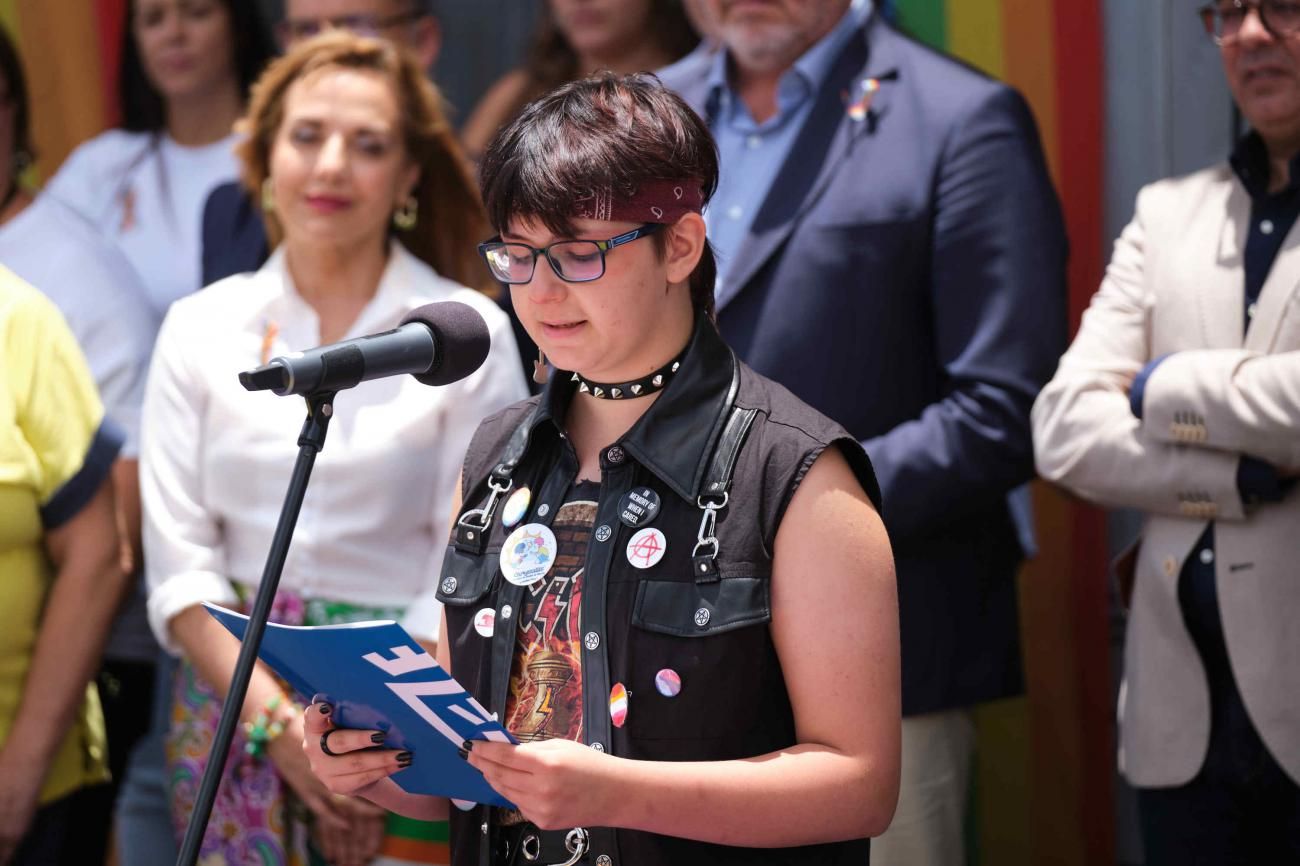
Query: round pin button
(615, 455)
(528, 553)
(603, 533)
(506, 610)
(543, 510)
(639, 506)
(591, 641)
(618, 705)
(449, 584)
(463, 805)
(668, 683)
(599, 747)
(516, 507)
(485, 622)
(646, 548)
(702, 617)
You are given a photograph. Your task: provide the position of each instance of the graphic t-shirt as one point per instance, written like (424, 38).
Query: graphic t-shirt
(545, 700)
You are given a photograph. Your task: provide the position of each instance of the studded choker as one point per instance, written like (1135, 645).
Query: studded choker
(656, 381)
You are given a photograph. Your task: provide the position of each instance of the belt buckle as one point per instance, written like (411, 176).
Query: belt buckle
(576, 841)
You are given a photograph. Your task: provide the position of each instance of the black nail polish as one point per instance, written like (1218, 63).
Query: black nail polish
(464, 755)
(468, 745)
(404, 759)
(377, 737)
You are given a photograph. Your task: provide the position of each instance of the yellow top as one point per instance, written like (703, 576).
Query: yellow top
(55, 452)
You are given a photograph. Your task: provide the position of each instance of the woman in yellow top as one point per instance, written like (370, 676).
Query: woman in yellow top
(59, 577)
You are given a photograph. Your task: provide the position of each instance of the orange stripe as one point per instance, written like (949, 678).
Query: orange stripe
(975, 34)
(61, 58)
(416, 851)
(1028, 28)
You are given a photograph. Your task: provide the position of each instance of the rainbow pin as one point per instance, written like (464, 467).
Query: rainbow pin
(618, 705)
(858, 108)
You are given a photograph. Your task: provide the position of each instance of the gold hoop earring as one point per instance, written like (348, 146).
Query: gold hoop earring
(406, 216)
(268, 196)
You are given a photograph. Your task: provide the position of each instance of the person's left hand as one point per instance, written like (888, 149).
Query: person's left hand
(556, 784)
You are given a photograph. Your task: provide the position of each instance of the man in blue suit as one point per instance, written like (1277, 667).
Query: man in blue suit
(891, 249)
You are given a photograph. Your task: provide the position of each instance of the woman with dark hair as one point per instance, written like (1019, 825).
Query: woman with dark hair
(668, 577)
(185, 69)
(576, 38)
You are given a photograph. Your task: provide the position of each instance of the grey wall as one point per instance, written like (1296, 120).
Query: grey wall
(1168, 112)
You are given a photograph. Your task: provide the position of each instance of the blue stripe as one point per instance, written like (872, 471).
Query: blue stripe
(74, 495)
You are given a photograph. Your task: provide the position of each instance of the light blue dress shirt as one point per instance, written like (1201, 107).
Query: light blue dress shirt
(751, 153)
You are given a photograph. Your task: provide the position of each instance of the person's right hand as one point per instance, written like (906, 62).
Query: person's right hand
(356, 764)
(20, 785)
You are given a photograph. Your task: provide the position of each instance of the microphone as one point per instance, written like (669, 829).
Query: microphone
(437, 344)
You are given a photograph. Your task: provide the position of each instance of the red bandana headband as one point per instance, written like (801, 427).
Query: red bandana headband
(657, 201)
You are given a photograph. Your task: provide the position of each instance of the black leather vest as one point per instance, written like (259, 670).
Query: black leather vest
(702, 611)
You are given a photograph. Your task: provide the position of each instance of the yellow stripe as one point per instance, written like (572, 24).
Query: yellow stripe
(1031, 67)
(975, 33)
(9, 17)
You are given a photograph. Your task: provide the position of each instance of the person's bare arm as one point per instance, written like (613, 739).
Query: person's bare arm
(87, 588)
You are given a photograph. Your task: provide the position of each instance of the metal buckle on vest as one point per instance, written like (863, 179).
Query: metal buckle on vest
(704, 566)
(577, 841)
(489, 508)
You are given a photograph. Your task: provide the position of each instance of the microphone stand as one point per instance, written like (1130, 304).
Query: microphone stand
(320, 408)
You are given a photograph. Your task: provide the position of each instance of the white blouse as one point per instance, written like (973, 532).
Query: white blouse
(215, 459)
(147, 193)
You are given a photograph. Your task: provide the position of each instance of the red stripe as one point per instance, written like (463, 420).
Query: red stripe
(110, 20)
(1080, 99)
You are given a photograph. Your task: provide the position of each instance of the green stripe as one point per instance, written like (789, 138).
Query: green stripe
(926, 20)
(418, 831)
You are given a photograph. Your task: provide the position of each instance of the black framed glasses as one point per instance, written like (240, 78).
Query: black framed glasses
(294, 29)
(577, 261)
(1223, 19)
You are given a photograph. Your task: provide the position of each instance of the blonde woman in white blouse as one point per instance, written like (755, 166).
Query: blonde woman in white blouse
(374, 215)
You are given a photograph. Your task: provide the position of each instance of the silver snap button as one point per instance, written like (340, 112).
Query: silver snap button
(1266, 227)
(1207, 556)
(603, 860)
(591, 641)
(599, 747)
(603, 532)
(615, 455)
(702, 617)
(483, 828)
(449, 585)
(543, 510)
(506, 610)
(469, 535)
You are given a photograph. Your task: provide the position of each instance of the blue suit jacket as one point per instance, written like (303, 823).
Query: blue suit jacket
(906, 276)
(234, 237)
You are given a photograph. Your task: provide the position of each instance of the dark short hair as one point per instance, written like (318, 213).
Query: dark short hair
(603, 132)
(142, 104)
(11, 70)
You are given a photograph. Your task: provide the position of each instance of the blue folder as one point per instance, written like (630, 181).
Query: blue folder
(378, 678)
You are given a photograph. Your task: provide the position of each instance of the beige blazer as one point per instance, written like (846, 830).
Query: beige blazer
(1175, 284)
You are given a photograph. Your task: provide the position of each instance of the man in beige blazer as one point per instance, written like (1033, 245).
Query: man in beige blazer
(1180, 396)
